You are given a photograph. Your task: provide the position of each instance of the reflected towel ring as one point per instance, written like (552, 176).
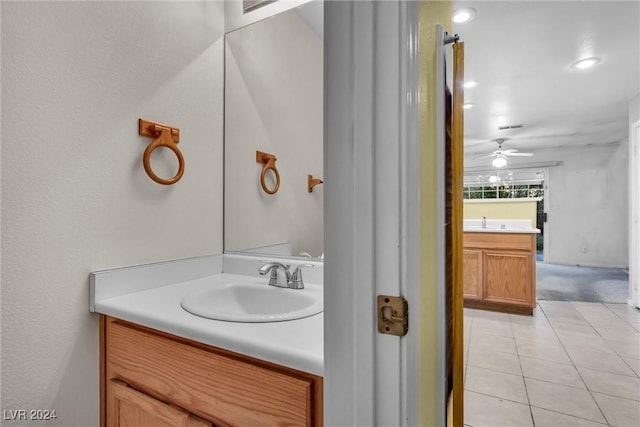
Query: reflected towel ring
(269, 161)
(165, 136)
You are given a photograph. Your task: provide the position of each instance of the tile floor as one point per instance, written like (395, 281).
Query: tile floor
(570, 364)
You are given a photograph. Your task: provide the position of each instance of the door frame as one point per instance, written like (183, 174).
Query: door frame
(371, 210)
(634, 214)
(546, 199)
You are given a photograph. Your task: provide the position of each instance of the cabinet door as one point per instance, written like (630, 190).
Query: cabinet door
(472, 273)
(129, 407)
(508, 277)
(218, 385)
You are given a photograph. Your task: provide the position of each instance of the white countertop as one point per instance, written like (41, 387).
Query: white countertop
(298, 344)
(474, 229)
(499, 226)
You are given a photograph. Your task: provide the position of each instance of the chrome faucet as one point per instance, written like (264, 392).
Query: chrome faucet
(282, 277)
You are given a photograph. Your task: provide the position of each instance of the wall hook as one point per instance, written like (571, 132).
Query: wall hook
(312, 182)
(269, 161)
(164, 136)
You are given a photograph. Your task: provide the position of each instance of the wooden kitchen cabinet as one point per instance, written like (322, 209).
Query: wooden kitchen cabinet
(472, 274)
(499, 271)
(157, 379)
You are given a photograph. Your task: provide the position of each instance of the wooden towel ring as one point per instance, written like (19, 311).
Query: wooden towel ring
(269, 161)
(165, 136)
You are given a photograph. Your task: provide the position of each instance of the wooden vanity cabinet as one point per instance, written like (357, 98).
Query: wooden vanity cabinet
(150, 378)
(499, 271)
(129, 407)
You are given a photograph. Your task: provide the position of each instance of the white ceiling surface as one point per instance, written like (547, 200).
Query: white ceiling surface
(520, 52)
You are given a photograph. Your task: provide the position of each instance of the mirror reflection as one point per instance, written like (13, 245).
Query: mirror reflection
(274, 104)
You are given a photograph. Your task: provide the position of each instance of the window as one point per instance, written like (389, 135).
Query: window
(504, 185)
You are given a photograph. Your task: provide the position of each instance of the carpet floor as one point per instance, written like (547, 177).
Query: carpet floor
(573, 283)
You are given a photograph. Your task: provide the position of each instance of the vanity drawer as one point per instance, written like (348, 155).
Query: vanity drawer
(217, 385)
(514, 241)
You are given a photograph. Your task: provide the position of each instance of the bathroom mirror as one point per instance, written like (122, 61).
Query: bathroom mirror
(274, 104)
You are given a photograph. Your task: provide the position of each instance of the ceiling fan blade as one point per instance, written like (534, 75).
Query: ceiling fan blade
(520, 154)
(509, 151)
(485, 156)
(542, 136)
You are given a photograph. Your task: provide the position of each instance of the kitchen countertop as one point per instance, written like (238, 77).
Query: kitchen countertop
(518, 226)
(298, 344)
(474, 229)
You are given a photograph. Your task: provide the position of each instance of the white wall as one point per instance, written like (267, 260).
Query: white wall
(76, 76)
(634, 109)
(274, 103)
(588, 202)
(588, 208)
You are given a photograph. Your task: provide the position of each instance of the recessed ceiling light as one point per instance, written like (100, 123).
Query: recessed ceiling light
(585, 63)
(470, 83)
(461, 16)
(467, 105)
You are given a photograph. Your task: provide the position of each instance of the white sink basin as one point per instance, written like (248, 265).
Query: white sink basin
(254, 302)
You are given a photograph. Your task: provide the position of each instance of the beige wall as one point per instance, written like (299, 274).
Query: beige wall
(432, 13)
(76, 76)
(525, 209)
(274, 103)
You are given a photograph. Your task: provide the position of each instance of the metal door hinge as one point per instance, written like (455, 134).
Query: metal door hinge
(393, 315)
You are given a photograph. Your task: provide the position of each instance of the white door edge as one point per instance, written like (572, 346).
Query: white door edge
(371, 137)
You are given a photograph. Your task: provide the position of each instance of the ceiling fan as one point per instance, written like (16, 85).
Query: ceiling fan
(502, 155)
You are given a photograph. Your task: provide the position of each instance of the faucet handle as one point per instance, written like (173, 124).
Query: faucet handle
(296, 277)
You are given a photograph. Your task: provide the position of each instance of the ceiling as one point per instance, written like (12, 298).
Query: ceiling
(521, 52)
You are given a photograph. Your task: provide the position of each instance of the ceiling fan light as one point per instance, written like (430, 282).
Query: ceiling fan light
(499, 162)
